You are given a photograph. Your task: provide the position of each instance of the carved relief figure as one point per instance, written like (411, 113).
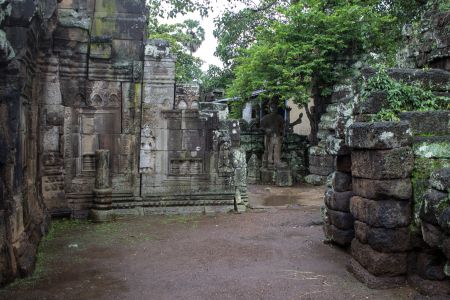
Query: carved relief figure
(148, 143)
(273, 126)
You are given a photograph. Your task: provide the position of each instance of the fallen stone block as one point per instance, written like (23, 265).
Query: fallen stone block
(379, 135)
(382, 189)
(382, 213)
(378, 263)
(383, 164)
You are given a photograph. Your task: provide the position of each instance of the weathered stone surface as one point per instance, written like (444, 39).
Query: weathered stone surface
(444, 220)
(338, 200)
(384, 239)
(379, 135)
(381, 213)
(383, 164)
(338, 236)
(427, 122)
(433, 205)
(321, 165)
(430, 287)
(343, 163)
(378, 263)
(440, 179)
(382, 189)
(432, 235)
(435, 149)
(374, 282)
(315, 179)
(342, 182)
(430, 265)
(373, 104)
(341, 220)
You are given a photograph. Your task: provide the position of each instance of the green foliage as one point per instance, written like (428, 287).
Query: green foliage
(236, 30)
(184, 39)
(402, 96)
(306, 45)
(215, 78)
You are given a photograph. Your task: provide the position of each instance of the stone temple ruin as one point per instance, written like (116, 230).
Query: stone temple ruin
(388, 196)
(93, 124)
(90, 125)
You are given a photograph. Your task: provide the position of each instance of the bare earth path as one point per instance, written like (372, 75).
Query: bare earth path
(272, 252)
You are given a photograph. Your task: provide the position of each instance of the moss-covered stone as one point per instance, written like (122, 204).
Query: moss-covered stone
(432, 150)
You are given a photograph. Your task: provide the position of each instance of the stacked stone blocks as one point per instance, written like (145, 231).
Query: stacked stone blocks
(382, 163)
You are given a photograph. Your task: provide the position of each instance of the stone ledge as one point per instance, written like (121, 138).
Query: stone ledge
(379, 135)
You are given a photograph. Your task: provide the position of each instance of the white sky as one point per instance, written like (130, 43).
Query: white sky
(208, 47)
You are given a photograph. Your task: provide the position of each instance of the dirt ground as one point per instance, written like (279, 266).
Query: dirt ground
(274, 251)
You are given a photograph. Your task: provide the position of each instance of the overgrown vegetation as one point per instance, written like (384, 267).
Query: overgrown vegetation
(402, 96)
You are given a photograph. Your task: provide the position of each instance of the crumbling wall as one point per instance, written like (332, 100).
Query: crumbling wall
(23, 216)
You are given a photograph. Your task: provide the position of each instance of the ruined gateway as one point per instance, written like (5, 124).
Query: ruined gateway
(79, 76)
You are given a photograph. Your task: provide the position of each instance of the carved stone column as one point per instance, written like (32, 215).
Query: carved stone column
(102, 207)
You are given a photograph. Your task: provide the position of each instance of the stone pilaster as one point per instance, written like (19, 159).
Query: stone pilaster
(102, 207)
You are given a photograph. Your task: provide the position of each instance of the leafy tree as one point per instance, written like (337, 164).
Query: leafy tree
(215, 78)
(236, 30)
(305, 51)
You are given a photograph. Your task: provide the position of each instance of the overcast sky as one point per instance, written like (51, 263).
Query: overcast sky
(207, 49)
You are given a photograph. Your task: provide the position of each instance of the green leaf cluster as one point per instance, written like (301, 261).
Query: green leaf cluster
(311, 42)
(402, 96)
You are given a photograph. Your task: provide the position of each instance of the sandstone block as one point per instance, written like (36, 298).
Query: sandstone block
(383, 239)
(338, 236)
(431, 265)
(383, 164)
(382, 213)
(379, 135)
(440, 179)
(426, 122)
(340, 219)
(378, 263)
(434, 203)
(338, 200)
(373, 104)
(382, 189)
(432, 235)
(342, 182)
(374, 282)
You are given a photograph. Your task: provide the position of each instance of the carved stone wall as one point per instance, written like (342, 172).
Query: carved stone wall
(23, 217)
(78, 77)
